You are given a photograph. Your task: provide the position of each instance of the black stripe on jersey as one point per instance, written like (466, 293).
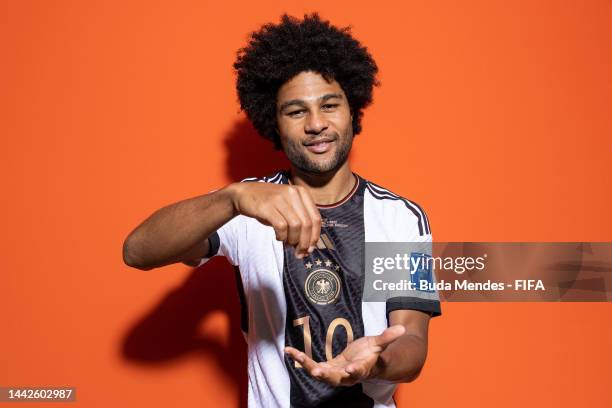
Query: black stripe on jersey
(415, 206)
(276, 178)
(382, 193)
(213, 245)
(429, 306)
(249, 179)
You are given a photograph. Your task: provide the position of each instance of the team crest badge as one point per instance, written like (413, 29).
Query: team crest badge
(322, 285)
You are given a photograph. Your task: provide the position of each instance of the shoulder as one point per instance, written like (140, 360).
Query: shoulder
(279, 177)
(402, 207)
(242, 221)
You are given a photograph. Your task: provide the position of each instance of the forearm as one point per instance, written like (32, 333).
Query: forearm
(173, 230)
(402, 360)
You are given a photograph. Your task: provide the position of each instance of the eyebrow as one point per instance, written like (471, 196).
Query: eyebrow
(301, 102)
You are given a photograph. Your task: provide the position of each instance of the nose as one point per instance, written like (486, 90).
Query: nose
(315, 123)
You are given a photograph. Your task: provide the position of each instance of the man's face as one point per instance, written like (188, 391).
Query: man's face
(314, 123)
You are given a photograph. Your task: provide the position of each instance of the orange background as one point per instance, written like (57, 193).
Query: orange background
(494, 117)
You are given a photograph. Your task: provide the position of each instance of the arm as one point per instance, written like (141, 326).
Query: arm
(179, 231)
(404, 358)
(395, 355)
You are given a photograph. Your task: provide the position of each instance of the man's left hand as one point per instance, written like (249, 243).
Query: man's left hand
(359, 361)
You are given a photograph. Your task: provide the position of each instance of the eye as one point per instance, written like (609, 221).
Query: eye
(328, 106)
(295, 113)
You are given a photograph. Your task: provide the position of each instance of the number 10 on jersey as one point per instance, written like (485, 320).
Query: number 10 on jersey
(305, 323)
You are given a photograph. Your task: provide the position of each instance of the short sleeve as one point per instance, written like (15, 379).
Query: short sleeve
(427, 301)
(225, 241)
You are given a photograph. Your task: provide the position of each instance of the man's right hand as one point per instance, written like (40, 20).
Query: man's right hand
(289, 209)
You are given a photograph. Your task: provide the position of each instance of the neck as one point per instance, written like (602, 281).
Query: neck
(327, 188)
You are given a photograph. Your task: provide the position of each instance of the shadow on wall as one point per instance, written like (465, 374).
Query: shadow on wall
(170, 330)
(249, 154)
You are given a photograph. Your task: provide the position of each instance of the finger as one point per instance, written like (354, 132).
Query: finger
(294, 353)
(315, 217)
(293, 222)
(311, 366)
(295, 201)
(279, 223)
(389, 336)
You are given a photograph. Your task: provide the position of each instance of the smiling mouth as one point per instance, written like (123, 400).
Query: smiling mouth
(320, 146)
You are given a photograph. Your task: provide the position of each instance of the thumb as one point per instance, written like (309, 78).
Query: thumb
(389, 335)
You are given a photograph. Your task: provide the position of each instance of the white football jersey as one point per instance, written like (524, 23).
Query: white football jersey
(315, 304)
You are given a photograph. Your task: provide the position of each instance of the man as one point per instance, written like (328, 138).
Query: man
(298, 236)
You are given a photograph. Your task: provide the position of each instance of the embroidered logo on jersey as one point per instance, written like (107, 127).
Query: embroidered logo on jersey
(421, 271)
(327, 223)
(325, 243)
(322, 285)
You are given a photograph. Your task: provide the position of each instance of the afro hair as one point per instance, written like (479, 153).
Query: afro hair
(277, 53)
